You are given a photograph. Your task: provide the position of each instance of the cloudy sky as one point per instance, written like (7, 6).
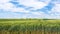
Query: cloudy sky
(30, 9)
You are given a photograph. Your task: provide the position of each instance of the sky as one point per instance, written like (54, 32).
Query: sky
(49, 9)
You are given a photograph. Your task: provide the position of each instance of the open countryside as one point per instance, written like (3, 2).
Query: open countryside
(29, 26)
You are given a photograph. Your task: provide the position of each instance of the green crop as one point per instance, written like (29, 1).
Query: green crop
(16, 25)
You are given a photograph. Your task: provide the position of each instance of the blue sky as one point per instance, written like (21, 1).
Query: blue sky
(30, 9)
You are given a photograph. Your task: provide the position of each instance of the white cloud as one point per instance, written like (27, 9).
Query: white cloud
(33, 3)
(54, 13)
(56, 8)
(4, 4)
(4, 1)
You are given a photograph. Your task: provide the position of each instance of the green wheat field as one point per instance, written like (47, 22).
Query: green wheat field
(29, 26)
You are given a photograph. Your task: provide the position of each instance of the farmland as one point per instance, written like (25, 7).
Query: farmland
(29, 26)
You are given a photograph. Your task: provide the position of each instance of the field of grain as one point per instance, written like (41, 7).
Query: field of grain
(29, 26)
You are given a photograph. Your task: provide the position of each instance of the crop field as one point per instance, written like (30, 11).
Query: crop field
(29, 26)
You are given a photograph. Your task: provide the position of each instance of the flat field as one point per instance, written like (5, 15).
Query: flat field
(29, 26)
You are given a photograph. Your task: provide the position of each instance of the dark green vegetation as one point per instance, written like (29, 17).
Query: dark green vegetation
(29, 26)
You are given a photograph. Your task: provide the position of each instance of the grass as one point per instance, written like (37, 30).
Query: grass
(29, 26)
